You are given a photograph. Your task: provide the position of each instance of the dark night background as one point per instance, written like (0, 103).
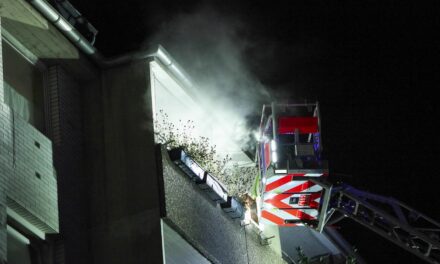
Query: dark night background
(373, 66)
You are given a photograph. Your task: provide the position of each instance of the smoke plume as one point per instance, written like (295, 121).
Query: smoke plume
(211, 48)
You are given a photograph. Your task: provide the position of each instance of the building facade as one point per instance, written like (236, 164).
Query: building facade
(81, 179)
(28, 196)
(67, 179)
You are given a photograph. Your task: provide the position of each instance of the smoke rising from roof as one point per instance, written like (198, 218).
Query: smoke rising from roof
(211, 48)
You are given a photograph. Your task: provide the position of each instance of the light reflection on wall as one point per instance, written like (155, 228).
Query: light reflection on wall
(217, 122)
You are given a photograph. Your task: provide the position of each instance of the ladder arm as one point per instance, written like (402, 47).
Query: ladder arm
(390, 218)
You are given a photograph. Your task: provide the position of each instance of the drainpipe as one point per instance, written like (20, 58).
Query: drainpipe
(76, 38)
(68, 30)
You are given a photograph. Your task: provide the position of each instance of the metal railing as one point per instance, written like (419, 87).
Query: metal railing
(386, 216)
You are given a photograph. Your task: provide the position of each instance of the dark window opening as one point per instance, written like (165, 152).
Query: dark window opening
(18, 247)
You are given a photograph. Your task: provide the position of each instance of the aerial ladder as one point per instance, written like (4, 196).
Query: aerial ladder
(295, 190)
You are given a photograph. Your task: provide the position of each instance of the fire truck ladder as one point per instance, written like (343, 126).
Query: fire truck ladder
(386, 216)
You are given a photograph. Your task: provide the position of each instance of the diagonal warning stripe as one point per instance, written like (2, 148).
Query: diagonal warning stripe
(313, 197)
(296, 189)
(278, 183)
(286, 187)
(277, 202)
(300, 214)
(273, 218)
(270, 218)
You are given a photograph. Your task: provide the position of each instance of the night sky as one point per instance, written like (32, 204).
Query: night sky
(373, 66)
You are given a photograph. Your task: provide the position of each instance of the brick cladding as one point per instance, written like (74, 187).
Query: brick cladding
(28, 183)
(33, 185)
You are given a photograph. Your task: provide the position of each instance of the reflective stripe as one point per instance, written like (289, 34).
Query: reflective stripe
(281, 202)
(278, 192)
(271, 217)
(278, 182)
(301, 214)
(314, 174)
(286, 187)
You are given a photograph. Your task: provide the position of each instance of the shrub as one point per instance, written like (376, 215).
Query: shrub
(238, 180)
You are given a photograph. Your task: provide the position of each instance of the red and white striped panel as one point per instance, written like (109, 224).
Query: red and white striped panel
(277, 182)
(279, 190)
(272, 217)
(278, 217)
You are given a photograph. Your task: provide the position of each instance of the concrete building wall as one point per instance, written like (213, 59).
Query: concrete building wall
(1, 65)
(65, 114)
(177, 250)
(202, 222)
(4, 159)
(125, 218)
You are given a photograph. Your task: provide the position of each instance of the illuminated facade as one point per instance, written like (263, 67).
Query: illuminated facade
(28, 181)
(81, 179)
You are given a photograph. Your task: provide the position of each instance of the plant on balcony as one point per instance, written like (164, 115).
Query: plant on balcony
(238, 180)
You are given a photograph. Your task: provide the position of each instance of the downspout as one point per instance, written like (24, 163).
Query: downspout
(76, 38)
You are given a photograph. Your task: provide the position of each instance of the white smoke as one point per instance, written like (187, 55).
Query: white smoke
(211, 49)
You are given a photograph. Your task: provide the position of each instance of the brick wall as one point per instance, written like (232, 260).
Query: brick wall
(33, 186)
(28, 183)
